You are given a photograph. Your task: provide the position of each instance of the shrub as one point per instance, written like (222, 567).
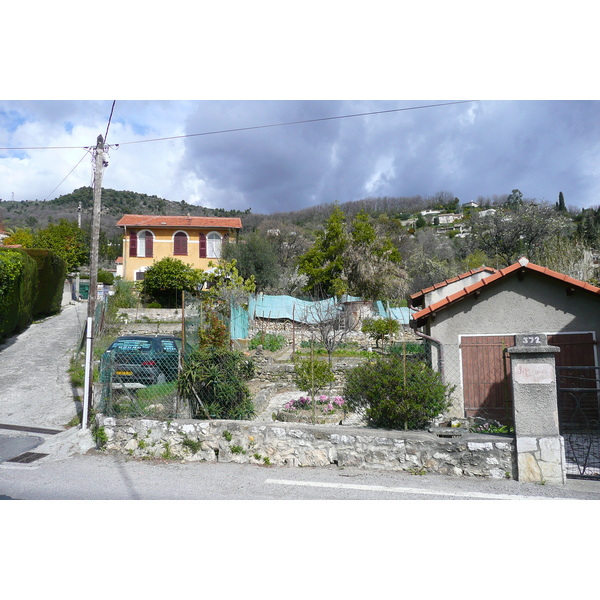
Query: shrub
(18, 290)
(125, 295)
(215, 333)
(52, 271)
(269, 341)
(214, 381)
(106, 277)
(312, 375)
(395, 393)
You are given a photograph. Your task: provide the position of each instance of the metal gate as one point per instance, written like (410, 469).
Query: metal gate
(579, 419)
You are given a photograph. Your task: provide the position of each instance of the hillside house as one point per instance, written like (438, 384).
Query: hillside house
(193, 240)
(472, 319)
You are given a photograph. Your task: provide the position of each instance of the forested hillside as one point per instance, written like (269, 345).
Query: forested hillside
(355, 246)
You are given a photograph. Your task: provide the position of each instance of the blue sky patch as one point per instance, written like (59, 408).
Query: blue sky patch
(10, 121)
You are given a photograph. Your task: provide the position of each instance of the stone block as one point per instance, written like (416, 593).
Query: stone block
(478, 446)
(551, 449)
(527, 444)
(529, 469)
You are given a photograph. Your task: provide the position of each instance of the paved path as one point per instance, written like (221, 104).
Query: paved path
(35, 389)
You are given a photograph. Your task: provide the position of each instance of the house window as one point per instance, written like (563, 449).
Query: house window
(141, 244)
(213, 245)
(180, 244)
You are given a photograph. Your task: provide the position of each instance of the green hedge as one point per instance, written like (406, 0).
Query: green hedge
(52, 271)
(18, 290)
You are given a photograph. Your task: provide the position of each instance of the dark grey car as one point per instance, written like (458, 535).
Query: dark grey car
(144, 359)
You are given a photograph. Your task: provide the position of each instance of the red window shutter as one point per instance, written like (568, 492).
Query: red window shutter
(133, 244)
(149, 245)
(202, 246)
(180, 244)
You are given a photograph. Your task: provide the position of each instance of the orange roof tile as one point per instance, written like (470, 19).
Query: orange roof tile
(437, 286)
(158, 221)
(419, 317)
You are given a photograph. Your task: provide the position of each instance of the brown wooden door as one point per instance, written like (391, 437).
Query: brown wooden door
(487, 388)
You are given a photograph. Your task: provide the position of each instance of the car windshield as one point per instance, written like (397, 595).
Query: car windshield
(132, 345)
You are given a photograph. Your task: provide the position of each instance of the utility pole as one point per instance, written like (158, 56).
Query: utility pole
(99, 164)
(99, 159)
(77, 276)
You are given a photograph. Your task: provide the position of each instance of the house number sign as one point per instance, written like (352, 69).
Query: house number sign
(531, 339)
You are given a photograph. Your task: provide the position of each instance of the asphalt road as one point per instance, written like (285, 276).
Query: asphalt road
(99, 476)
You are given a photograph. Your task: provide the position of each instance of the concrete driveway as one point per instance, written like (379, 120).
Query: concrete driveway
(36, 397)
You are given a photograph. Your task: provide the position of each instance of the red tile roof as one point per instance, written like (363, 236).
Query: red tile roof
(418, 296)
(420, 317)
(183, 222)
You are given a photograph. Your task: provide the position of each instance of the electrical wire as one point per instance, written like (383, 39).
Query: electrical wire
(378, 112)
(189, 135)
(109, 120)
(52, 192)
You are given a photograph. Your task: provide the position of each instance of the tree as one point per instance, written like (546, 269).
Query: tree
(430, 258)
(372, 263)
(515, 199)
(560, 205)
(255, 256)
(225, 286)
(507, 235)
(570, 257)
(167, 278)
(21, 237)
(311, 376)
(323, 263)
(380, 329)
(330, 323)
(66, 240)
(359, 260)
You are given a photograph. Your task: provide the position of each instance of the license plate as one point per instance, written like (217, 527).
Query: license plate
(124, 372)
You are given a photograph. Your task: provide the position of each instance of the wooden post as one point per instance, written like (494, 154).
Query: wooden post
(98, 171)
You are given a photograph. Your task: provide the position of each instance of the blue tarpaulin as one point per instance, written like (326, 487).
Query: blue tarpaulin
(399, 313)
(264, 306)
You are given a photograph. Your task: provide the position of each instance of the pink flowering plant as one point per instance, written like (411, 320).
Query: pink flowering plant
(324, 404)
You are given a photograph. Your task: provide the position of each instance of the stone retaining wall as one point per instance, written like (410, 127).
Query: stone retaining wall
(300, 445)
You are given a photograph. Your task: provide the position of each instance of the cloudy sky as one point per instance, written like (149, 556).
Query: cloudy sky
(224, 84)
(242, 154)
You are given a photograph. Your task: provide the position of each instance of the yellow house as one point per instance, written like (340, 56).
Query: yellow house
(193, 240)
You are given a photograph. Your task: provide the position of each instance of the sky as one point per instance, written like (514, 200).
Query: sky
(241, 154)
(465, 109)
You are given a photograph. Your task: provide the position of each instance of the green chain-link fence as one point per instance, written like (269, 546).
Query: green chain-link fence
(139, 377)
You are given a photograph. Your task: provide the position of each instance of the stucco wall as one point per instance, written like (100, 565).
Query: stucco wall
(163, 247)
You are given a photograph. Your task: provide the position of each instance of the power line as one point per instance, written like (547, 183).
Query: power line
(109, 119)
(377, 112)
(189, 135)
(87, 151)
(52, 192)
